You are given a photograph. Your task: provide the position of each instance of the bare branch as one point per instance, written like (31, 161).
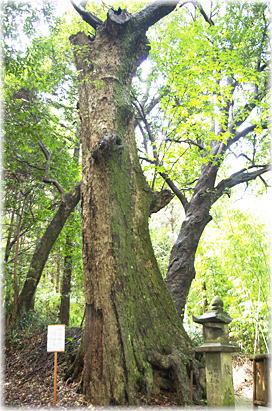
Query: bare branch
(221, 148)
(138, 123)
(46, 153)
(46, 179)
(264, 182)
(175, 190)
(242, 176)
(171, 184)
(152, 104)
(241, 134)
(142, 115)
(198, 6)
(202, 12)
(248, 107)
(188, 141)
(156, 160)
(29, 164)
(241, 155)
(147, 160)
(90, 18)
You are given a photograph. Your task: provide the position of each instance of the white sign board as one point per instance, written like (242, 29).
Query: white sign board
(56, 338)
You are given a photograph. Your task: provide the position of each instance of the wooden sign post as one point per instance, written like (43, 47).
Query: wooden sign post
(55, 344)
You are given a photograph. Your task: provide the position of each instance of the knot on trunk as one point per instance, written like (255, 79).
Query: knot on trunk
(106, 145)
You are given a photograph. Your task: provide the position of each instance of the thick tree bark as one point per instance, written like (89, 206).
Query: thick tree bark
(43, 249)
(134, 341)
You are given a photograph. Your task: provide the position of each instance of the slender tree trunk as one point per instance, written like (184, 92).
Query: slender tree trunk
(15, 276)
(15, 260)
(133, 340)
(9, 242)
(55, 277)
(43, 249)
(64, 314)
(204, 297)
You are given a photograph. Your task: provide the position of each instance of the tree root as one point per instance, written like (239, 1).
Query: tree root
(75, 371)
(171, 373)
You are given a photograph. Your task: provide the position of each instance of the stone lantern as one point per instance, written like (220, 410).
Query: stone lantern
(218, 355)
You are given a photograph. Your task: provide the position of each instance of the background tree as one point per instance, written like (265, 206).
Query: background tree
(40, 135)
(213, 106)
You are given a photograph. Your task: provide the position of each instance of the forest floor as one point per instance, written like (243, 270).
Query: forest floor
(29, 375)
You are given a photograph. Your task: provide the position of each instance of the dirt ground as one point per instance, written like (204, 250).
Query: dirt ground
(243, 381)
(29, 376)
(29, 373)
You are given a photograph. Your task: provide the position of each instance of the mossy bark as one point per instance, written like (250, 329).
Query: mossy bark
(133, 338)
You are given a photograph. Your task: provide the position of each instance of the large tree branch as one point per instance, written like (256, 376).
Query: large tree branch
(240, 177)
(152, 13)
(87, 16)
(221, 147)
(240, 134)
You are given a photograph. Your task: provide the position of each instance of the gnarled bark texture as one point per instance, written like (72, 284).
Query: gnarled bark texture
(134, 341)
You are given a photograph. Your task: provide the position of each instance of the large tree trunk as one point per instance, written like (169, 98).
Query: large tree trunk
(134, 341)
(43, 248)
